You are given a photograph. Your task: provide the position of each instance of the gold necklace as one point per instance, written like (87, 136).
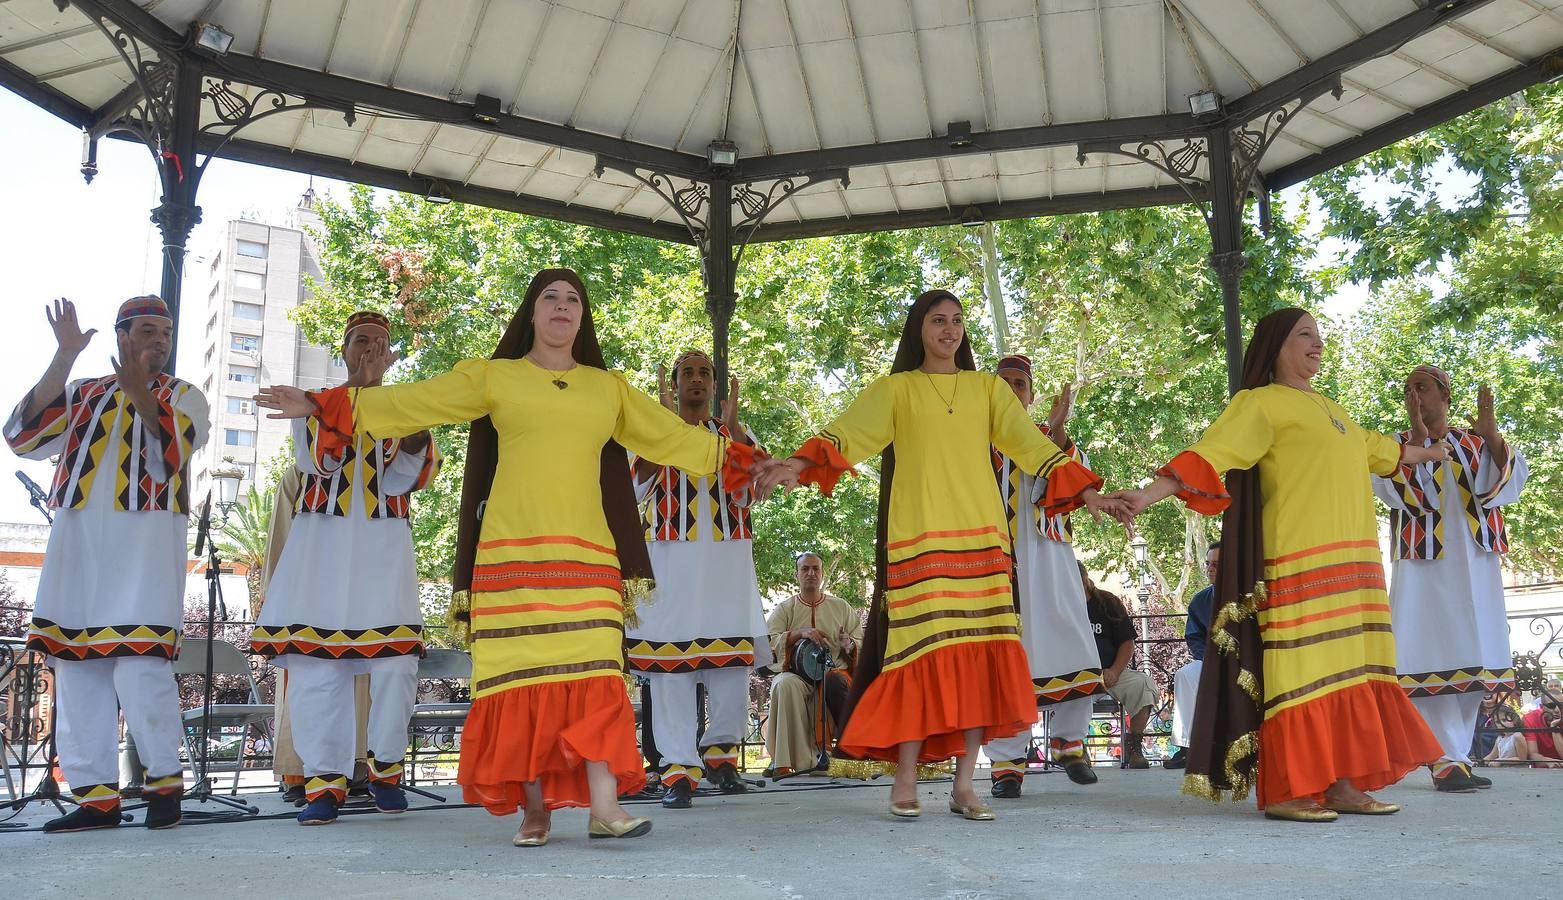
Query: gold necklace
(1323, 407)
(949, 405)
(558, 377)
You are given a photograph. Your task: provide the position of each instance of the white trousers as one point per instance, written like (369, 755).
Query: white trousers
(1065, 721)
(90, 694)
(320, 710)
(674, 718)
(1452, 719)
(1185, 689)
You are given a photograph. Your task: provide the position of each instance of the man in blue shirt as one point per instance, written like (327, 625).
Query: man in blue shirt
(1185, 682)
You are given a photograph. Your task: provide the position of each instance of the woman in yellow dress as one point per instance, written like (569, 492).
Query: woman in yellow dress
(549, 543)
(942, 669)
(1303, 684)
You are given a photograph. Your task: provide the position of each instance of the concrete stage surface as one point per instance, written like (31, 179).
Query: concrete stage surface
(1131, 835)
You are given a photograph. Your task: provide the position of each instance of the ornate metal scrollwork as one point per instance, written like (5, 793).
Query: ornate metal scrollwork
(756, 204)
(689, 200)
(235, 111)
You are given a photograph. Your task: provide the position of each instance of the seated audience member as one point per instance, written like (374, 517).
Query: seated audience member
(1115, 637)
(793, 733)
(1185, 681)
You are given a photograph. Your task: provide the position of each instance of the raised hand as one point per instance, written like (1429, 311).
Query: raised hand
(131, 371)
(1485, 422)
(67, 332)
(1058, 416)
(730, 406)
(373, 365)
(288, 401)
(664, 391)
(1414, 414)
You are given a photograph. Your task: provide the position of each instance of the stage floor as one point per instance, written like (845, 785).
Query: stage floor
(1131, 835)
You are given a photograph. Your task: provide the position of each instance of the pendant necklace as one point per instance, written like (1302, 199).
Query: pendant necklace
(949, 405)
(1323, 407)
(558, 377)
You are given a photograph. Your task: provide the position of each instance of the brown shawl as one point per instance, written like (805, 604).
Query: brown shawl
(1223, 755)
(618, 493)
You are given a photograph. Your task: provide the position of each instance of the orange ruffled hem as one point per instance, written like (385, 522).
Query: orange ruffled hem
(546, 732)
(737, 463)
(937, 697)
(334, 409)
(825, 464)
(1065, 484)
(1198, 484)
(1368, 733)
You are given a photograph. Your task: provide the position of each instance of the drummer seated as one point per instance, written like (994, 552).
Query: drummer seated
(795, 735)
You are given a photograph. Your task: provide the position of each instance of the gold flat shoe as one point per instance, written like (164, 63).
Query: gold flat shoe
(910, 809)
(1369, 808)
(977, 812)
(632, 827)
(1314, 813)
(536, 840)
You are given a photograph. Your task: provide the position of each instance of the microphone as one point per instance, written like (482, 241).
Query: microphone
(203, 525)
(32, 488)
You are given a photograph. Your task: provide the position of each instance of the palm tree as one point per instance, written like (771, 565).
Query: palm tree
(242, 537)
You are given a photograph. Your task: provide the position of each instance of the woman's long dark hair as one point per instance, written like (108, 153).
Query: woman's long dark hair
(909, 355)
(618, 496)
(1224, 751)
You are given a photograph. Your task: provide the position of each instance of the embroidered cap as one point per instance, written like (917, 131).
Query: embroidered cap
(678, 362)
(1017, 362)
(367, 317)
(136, 307)
(1438, 375)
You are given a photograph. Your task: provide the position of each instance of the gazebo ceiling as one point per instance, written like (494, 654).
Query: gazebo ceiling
(876, 90)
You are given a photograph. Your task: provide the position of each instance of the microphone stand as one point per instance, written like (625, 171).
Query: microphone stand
(201, 791)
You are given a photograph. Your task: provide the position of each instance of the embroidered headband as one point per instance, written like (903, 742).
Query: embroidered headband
(1017, 362)
(678, 362)
(367, 317)
(1438, 375)
(136, 307)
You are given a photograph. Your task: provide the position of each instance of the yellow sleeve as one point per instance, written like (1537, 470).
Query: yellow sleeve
(865, 428)
(1013, 433)
(400, 410)
(648, 429)
(1239, 437)
(1383, 452)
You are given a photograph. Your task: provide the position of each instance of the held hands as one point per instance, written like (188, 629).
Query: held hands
(288, 401)
(67, 332)
(769, 474)
(1111, 506)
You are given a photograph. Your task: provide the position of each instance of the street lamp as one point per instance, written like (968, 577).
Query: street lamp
(1141, 553)
(227, 488)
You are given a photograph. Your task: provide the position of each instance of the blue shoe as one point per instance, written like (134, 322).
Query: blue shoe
(388, 798)
(319, 811)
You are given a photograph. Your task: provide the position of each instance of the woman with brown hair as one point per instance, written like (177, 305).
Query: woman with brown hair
(942, 669)
(1301, 683)
(549, 543)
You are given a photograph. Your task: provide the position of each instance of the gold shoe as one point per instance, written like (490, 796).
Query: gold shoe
(977, 812)
(632, 827)
(910, 809)
(1370, 807)
(538, 840)
(1314, 813)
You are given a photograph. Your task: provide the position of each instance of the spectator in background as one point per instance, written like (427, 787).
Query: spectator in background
(1185, 682)
(1494, 713)
(1115, 637)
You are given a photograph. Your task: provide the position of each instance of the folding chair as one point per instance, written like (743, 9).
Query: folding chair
(226, 660)
(435, 718)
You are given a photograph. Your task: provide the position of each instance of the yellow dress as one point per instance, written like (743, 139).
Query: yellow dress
(547, 605)
(952, 658)
(1332, 707)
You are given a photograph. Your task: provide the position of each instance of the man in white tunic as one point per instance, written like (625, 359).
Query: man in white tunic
(1065, 671)
(110, 600)
(1446, 596)
(343, 600)
(704, 624)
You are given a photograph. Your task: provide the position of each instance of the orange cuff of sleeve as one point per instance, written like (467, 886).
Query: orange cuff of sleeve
(825, 464)
(1065, 484)
(1198, 484)
(334, 409)
(737, 463)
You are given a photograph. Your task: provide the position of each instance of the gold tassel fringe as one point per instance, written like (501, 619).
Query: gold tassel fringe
(869, 769)
(1199, 786)
(637, 591)
(459, 616)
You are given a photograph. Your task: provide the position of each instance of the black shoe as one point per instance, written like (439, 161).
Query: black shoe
(1177, 760)
(1006, 788)
(82, 818)
(652, 791)
(294, 795)
(1480, 782)
(678, 795)
(1080, 771)
(726, 779)
(1456, 781)
(163, 810)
